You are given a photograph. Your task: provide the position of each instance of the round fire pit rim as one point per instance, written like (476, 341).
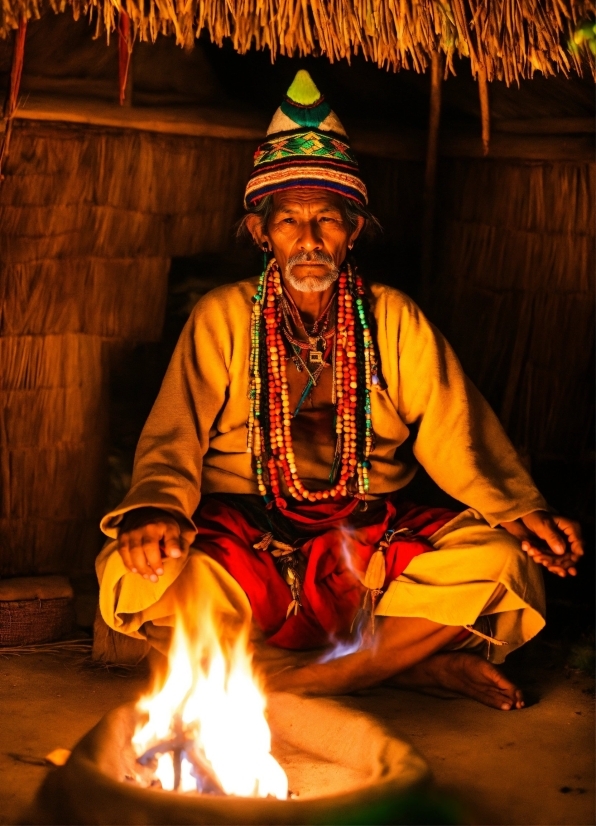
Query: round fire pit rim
(88, 790)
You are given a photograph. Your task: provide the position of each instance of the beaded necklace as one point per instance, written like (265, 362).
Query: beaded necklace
(355, 372)
(318, 344)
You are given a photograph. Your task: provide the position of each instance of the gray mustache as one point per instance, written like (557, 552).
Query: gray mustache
(314, 257)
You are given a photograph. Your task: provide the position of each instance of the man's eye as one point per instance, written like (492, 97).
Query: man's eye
(288, 220)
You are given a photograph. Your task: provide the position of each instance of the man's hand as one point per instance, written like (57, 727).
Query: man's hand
(147, 536)
(552, 541)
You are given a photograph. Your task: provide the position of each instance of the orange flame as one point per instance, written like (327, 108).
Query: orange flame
(210, 690)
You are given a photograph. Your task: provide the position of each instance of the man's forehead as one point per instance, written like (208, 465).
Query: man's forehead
(297, 200)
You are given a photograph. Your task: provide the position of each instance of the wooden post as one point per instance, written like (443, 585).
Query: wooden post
(430, 174)
(10, 104)
(124, 57)
(484, 109)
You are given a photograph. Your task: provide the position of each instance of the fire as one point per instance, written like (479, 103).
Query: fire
(205, 728)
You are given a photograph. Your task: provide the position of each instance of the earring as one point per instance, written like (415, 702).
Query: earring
(265, 249)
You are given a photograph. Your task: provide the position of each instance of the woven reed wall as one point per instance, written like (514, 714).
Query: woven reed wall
(514, 293)
(53, 414)
(90, 192)
(89, 220)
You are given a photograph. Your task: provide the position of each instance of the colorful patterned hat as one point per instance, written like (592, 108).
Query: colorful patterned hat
(306, 146)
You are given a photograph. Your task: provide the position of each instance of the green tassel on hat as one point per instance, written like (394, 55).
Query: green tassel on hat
(304, 107)
(303, 90)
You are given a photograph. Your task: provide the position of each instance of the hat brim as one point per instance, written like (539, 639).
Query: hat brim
(305, 176)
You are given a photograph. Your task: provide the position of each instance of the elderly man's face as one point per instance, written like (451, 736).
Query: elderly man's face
(309, 237)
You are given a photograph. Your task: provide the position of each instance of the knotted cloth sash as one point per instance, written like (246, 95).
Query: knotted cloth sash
(337, 539)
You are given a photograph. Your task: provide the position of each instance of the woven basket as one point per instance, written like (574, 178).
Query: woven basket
(28, 621)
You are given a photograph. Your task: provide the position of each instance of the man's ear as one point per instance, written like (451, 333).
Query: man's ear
(254, 225)
(360, 221)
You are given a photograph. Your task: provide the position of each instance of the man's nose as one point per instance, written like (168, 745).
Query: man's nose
(310, 238)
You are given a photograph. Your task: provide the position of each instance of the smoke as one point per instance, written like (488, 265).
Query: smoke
(358, 640)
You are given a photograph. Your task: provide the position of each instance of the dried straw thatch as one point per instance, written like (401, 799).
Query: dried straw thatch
(505, 39)
(514, 293)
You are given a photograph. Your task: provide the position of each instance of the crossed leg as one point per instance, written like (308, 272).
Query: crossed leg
(409, 653)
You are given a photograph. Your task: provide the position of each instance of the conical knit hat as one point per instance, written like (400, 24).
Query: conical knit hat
(306, 146)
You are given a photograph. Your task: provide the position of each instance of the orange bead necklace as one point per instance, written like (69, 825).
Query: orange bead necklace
(270, 417)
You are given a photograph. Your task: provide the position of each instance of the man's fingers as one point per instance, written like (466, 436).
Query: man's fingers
(182, 545)
(141, 548)
(125, 554)
(561, 535)
(569, 526)
(551, 552)
(538, 553)
(173, 548)
(173, 542)
(152, 553)
(139, 560)
(561, 565)
(556, 564)
(573, 532)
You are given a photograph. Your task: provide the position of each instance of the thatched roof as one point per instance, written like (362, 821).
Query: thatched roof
(505, 39)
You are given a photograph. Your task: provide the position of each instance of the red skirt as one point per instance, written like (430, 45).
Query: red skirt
(337, 540)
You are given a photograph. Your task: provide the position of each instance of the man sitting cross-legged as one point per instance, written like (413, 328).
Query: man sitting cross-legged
(272, 472)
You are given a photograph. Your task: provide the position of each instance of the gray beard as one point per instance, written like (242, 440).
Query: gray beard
(311, 283)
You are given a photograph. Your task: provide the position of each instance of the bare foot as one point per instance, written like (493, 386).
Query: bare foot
(461, 674)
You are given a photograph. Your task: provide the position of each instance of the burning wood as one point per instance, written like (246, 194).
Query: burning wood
(182, 746)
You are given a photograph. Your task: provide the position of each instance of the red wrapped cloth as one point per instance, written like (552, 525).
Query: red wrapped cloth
(337, 539)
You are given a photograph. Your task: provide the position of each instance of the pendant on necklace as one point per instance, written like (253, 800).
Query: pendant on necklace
(315, 357)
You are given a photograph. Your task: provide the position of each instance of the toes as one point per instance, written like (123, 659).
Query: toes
(508, 705)
(502, 689)
(490, 697)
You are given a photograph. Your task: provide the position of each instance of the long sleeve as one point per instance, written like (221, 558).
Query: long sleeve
(169, 456)
(457, 437)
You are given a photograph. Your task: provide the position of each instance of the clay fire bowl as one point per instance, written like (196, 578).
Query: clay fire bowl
(339, 762)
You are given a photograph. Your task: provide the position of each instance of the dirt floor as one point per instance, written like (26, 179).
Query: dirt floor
(529, 767)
